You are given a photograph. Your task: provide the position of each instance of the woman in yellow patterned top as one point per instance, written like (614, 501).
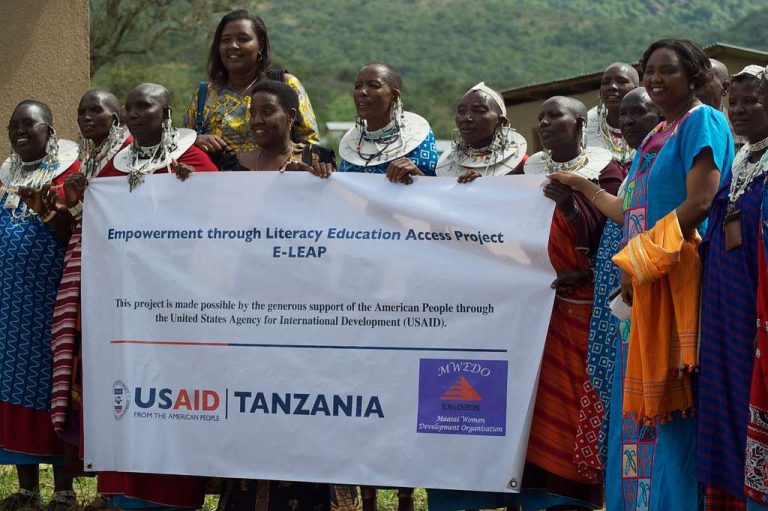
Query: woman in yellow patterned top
(239, 58)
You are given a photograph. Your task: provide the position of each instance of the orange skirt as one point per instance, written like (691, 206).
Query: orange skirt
(556, 415)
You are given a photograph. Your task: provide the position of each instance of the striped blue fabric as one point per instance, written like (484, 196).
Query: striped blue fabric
(729, 284)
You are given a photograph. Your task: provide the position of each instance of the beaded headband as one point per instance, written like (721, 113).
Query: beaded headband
(495, 96)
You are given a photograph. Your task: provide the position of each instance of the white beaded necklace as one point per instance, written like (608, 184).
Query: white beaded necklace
(758, 146)
(566, 166)
(32, 174)
(744, 172)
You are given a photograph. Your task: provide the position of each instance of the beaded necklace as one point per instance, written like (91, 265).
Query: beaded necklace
(32, 174)
(744, 172)
(612, 137)
(153, 155)
(758, 146)
(567, 166)
(384, 137)
(93, 160)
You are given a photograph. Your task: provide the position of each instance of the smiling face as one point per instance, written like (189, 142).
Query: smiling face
(144, 115)
(28, 132)
(558, 126)
(666, 81)
(477, 118)
(94, 117)
(239, 47)
(637, 117)
(373, 96)
(270, 122)
(617, 81)
(747, 110)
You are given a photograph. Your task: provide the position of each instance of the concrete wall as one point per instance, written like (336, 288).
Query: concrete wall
(44, 55)
(523, 116)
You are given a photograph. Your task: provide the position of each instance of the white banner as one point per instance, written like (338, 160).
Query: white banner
(349, 330)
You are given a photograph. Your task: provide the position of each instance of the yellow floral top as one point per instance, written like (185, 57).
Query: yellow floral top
(226, 113)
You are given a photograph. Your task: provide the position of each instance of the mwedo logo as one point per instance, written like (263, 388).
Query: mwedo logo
(462, 397)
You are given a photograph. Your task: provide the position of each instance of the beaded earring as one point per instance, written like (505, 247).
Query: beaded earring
(114, 130)
(396, 114)
(582, 137)
(167, 135)
(361, 123)
(457, 142)
(85, 146)
(500, 139)
(52, 147)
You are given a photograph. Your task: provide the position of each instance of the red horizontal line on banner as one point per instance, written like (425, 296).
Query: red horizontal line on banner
(173, 343)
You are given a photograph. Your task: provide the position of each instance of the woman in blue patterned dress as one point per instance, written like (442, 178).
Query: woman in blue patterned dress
(386, 139)
(31, 259)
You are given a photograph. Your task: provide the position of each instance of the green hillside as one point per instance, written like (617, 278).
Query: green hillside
(443, 46)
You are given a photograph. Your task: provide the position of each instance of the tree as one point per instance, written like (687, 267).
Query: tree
(134, 27)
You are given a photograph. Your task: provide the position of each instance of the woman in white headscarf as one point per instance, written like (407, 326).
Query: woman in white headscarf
(484, 144)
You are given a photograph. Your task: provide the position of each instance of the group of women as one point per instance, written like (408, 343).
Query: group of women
(656, 406)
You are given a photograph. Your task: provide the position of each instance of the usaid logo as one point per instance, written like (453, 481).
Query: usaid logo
(121, 399)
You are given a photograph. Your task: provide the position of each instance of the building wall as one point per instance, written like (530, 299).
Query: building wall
(523, 116)
(44, 56)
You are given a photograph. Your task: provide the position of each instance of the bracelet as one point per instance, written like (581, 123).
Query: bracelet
(47, 218)
(76, 211)
(601, 190)
(573, 215)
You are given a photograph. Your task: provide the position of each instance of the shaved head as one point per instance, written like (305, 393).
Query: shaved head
(720, 71)
(154, 90)
(638, 115)
(574, 106)
(715, 86)
(389, 74)
(640, 95)
(108, 100)
(627, 69)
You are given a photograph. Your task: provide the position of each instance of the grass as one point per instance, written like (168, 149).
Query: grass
(85, 487)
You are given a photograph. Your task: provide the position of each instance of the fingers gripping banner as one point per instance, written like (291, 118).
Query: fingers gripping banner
(348, 330)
